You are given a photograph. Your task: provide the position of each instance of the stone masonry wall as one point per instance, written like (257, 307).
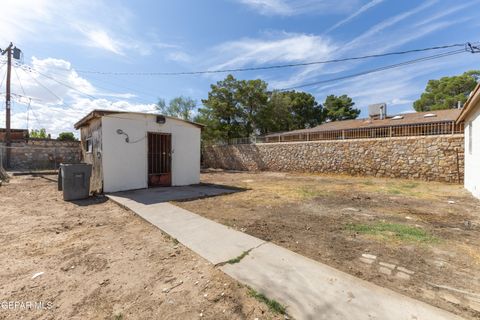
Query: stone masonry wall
(41, 154)
(435, 158)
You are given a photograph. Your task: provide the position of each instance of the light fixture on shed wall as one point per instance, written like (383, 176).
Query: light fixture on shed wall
(120, 131)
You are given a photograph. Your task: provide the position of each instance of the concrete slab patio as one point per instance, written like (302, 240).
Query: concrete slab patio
(213, 241)
(158, 195)
(309, 289)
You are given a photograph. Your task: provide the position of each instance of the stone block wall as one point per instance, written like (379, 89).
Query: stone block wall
(41, 154)
(433, 158)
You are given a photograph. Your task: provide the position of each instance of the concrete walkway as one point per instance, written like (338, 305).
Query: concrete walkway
(309, 289)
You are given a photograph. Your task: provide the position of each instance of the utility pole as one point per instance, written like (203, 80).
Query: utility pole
(8, 138)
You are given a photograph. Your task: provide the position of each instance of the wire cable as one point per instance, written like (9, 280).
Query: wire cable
(70, 87)
(4, 76)
(20, 82)
(59, 82)
(290, 65)
(397, 65)
(43, 86)
(23, 90)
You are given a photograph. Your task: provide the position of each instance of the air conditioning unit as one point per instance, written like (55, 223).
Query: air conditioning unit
(377, 111)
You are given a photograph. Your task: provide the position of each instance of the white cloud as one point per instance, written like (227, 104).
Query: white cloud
(269, 6)
(397, 87)
(446, 12)
(294, 7)
(379, 28)
(100, 39)
(283, 47)
(179, 56)
(376, 40)
(357, 13)
(60, 97)
(294, 47)
(400, 101)
(92, 24)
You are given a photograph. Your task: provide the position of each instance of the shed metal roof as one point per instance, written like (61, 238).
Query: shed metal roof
(98, 113)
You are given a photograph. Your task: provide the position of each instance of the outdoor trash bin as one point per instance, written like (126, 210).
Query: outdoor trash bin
(74, 180)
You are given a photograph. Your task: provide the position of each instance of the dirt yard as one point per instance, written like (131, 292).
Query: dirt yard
(418, 238)
(93, 260)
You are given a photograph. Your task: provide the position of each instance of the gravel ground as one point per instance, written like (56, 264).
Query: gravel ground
(421, 239)
(94, 260)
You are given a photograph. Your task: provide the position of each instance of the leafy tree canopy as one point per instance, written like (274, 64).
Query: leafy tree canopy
(290, 110)
(231, 109)
(66, 136)
(445, 92)
(340, 108)
(39, 134)
(179, 107)
(241, 108)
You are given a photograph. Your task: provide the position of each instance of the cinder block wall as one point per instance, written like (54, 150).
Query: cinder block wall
(41, 154)
(434, 158)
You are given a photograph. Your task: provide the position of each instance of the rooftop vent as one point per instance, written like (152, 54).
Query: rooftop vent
(397, 118)
(429, 115)
(377, 111)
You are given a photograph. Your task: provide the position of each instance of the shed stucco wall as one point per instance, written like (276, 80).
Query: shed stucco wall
(125, 164)
(438, 158)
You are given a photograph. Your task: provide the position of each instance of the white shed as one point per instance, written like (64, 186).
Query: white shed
(131, 150)
(470, 115)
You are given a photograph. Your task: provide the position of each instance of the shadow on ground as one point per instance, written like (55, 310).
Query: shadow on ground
(92, 200)
(179, 194)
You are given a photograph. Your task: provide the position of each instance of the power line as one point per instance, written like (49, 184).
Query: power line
(43, 86)
(151, 94)
(4, 75)
(57, 81)
(397, 65)
(290, 65)
(67, 85)
(23, 90)
(20, 82)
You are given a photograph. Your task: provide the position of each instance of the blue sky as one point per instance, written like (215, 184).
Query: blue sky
(61, 39)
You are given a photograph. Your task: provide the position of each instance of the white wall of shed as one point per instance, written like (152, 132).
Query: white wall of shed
(472, 159)
(125, 164)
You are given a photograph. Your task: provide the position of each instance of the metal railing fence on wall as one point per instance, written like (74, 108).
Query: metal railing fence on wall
(427, 129)
(36, 158)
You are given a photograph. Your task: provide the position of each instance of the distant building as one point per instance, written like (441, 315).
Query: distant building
(378, 126)
(15, 134)
(470, 116)
(131, 150)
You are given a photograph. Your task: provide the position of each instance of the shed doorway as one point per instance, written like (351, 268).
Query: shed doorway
(159, 159)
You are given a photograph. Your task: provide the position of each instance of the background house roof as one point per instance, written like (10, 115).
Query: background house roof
(98, 113)
(403, 119)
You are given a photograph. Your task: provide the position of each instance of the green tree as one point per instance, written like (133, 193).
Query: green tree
(223, 113)
(179, 107)
(445, 92)
(241, 108)
(306, 112)
(39, 134)
(66, 136)
(277, 114)
(290, 110)
(340, 108)
(252, 97)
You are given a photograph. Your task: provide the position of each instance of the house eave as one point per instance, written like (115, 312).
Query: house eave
(472, 101)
